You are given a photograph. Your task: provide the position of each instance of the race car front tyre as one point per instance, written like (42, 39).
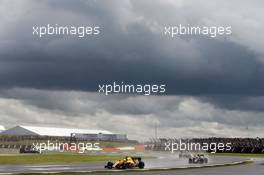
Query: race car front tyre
(109, 165)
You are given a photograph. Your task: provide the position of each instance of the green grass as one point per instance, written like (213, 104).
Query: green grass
(54, 158)
(237, 154)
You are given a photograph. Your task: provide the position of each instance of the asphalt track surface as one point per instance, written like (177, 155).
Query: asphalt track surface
(256, 168)
(163, 161)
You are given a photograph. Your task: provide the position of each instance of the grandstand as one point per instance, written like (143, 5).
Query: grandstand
(60, 133)
(239, 145)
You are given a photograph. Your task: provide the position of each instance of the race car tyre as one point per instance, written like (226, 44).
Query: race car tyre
(190, 160)
(205, 160)
(141, 165)
(109, 165)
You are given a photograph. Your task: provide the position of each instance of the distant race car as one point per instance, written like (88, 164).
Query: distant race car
(29, 150)
(127, 163)
(199, 158)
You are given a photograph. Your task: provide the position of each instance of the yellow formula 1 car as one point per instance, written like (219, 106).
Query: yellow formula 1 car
(128, 162)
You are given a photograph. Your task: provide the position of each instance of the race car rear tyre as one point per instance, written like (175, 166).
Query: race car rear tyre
(190, 160)
(141, 165)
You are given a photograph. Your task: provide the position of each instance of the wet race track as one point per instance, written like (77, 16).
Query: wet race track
(256, 168)
(161, 162)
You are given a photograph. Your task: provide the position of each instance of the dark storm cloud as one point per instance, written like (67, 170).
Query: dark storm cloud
(242, 103)
(213, 84)
(128, 50)
(67, 102)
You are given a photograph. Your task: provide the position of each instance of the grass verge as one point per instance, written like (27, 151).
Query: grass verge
(54, 158)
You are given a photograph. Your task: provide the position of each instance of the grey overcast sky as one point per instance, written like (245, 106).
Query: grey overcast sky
(215, 86)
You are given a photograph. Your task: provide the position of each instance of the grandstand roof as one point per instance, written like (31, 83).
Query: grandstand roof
(50, 131)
